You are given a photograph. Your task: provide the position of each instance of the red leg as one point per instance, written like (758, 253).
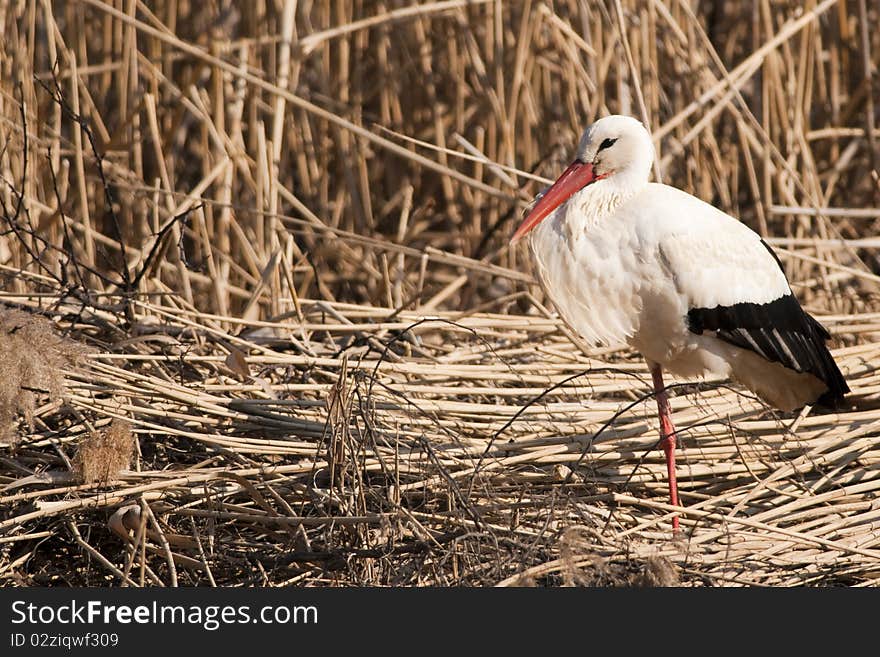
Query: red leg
(667, 436)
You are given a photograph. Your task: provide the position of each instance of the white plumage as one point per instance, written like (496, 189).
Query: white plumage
(688, 286)
(625, 260)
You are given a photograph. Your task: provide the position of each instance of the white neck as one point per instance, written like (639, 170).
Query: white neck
(598, 201)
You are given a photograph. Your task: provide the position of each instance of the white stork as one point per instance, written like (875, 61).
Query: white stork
(691, 288)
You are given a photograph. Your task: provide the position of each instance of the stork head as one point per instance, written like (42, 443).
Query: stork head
(615, 154)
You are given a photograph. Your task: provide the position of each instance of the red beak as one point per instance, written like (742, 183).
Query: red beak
(574, 178)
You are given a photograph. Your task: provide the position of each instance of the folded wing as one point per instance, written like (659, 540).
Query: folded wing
(741, 294)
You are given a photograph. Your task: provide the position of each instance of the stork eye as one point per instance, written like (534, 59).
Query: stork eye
(608, 143)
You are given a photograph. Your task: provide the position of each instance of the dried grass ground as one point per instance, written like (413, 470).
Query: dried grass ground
(334, 370)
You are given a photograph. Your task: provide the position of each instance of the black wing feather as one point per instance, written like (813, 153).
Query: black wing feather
(780, 331)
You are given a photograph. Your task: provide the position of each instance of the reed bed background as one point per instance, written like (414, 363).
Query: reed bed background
(261, 323)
